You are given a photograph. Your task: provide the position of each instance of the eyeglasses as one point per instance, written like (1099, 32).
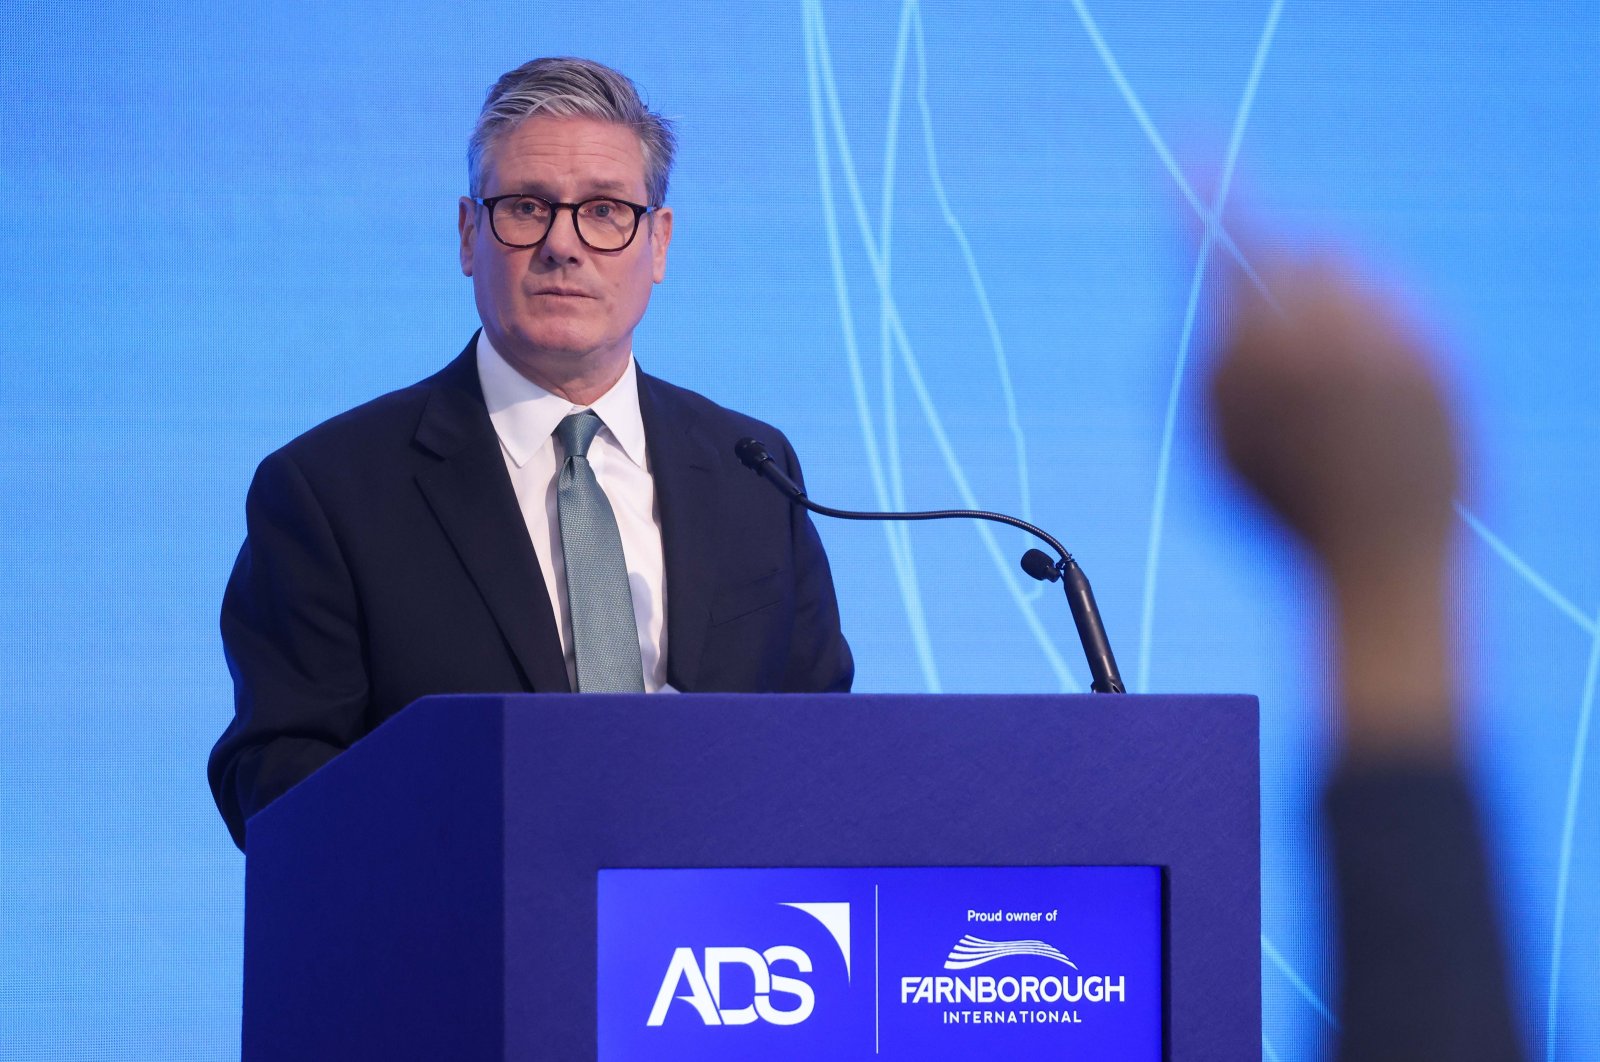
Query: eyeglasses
(603, 223)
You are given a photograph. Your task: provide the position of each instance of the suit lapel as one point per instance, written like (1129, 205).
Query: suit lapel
(472, 498)
(683, 464)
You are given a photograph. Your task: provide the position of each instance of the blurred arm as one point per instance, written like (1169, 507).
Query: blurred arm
(1329, 410)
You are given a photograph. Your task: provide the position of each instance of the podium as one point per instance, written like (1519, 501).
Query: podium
(432, 892)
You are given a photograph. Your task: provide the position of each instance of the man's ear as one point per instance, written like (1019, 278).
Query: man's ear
(660, 236)
(467, 222)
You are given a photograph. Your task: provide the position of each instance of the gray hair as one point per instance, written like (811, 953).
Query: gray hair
(565, 87)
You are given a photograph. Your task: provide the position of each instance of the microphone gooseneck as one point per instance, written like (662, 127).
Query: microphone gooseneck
(1080, 598)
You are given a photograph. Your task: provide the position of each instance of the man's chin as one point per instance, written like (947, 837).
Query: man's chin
(556, 338)
(559, 347)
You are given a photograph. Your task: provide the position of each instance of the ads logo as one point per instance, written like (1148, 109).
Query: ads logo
(697, 980)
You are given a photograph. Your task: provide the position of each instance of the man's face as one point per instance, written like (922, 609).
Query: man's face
(561, 310)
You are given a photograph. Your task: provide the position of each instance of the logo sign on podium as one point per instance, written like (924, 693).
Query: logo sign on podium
(894, 963)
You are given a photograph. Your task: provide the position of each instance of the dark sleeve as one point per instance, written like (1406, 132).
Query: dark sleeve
(291, 632)
(1424, 972)
(819, 657)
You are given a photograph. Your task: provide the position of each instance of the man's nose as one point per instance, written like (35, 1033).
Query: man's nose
(562, 244)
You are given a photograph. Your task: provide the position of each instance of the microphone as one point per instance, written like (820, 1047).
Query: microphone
(1080, 598)
(1039, 565)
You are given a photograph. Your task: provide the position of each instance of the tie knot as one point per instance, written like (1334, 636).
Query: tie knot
(577, 431)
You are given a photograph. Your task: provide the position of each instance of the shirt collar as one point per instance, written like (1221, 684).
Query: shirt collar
(525, 415)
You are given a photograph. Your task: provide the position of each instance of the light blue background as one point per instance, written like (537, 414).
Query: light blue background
(220, 225)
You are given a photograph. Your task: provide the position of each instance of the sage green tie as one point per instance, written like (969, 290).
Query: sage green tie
(605, 636)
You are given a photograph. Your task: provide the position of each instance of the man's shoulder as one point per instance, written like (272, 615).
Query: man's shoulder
(693, 407)
(391, 414)
(379, 433)
(384, 437)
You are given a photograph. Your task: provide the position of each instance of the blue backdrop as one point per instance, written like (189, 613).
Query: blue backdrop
(221, 225)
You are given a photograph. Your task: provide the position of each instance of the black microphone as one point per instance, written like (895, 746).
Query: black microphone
(1037, 563)
(1085, 614)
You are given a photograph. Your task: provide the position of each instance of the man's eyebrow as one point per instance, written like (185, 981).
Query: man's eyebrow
(608, 187)
(620, 189)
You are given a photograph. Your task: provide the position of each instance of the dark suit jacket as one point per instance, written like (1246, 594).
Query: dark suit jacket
(1423, 964)
(386, 559)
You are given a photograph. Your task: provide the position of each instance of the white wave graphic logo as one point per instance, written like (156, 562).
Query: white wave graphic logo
(973, 951)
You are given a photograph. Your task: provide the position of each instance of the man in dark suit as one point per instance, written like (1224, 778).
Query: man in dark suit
(538, 516)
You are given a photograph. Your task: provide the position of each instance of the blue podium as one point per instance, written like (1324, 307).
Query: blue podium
(433, 892)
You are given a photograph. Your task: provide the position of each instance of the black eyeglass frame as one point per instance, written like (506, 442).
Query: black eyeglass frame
(639, 212)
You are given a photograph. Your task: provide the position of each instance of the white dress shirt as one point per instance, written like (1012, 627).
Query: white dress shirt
(525, 416)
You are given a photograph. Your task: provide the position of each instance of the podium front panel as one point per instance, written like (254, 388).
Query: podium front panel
(547, 791)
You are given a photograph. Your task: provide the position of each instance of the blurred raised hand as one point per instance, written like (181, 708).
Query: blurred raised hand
(1331, 410)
